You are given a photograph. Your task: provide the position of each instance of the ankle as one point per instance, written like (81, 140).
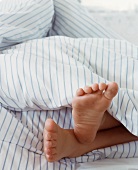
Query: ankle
(76, 149)
(108, 122)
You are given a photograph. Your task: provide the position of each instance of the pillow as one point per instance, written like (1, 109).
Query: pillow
(74, 20)
(22, 20)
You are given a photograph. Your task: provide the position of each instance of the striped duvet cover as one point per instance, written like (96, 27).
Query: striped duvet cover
(39, 74)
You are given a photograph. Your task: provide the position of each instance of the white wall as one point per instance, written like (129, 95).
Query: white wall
(112, 4)
(118, 15)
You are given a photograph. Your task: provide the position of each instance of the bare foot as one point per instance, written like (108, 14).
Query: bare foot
(60, 143)
(89, 106)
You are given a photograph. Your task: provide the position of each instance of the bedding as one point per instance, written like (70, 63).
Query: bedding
(23, 20)
(30, 70)
(108, 164)
(73, 20)
(39, 77)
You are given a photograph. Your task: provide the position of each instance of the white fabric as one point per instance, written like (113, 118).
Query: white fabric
(24, 20)
(73, 20)
(39, 78)
(44, 75)
(108, 164)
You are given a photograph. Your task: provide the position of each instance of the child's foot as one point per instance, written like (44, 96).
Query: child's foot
(89, 106)
(60, 143)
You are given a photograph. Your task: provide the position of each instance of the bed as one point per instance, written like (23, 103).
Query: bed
(29, 47)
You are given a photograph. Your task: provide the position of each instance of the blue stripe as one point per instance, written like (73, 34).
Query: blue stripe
(82, 18)
(29, 8)
(50, 78)
(8, 83)
(37, 68)
(30, 75)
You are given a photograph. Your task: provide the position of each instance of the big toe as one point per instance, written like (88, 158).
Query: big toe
(111, 90)
(50, 126)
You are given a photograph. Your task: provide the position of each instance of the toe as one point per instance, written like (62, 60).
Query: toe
(49, 136)
(88, 89)
(111, 90)
(102, 86)
(50, 127)
(80, 92)
(49, 144)
(50, 158)
(95, 87)
(50, 151)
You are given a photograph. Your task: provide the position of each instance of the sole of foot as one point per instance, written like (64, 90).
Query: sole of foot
(89, 106)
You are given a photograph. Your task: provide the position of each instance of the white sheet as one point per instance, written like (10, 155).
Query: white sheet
(110, 164)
